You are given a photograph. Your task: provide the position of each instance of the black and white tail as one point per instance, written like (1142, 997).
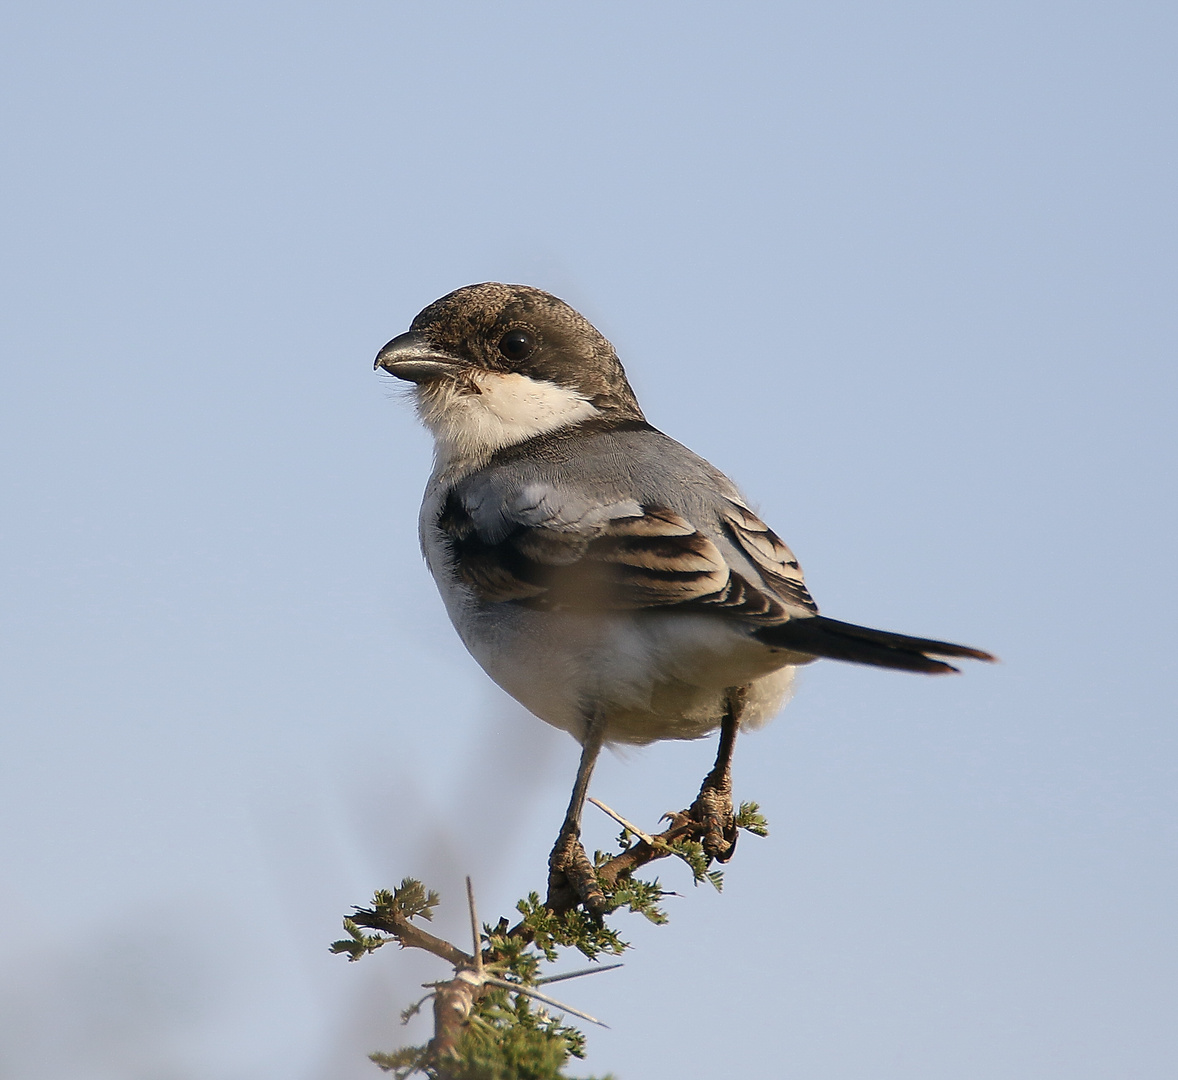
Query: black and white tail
(820, 636)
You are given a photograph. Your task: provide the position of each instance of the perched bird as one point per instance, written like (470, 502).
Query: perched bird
(614, 583)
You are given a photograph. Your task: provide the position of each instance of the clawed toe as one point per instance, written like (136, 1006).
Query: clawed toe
(713, 810)
(571, 877)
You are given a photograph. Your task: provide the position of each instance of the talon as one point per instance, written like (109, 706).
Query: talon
(712, 809)
(571, 877)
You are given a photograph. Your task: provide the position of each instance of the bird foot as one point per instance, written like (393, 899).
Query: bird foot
(571, 877)
(712, 809)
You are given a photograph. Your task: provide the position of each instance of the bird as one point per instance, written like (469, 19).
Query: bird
(613, 582)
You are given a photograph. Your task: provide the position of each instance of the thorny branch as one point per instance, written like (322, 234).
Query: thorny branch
(410, 936)
(480, 972)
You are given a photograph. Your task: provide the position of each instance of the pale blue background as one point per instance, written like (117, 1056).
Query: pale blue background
(905, 270)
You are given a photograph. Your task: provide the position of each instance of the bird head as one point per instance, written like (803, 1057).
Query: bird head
(494, 364)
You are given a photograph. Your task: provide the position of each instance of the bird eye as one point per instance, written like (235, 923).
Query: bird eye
(517, 344)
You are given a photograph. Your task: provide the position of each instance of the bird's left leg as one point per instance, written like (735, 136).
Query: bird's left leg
(713, 805)
(569, 868)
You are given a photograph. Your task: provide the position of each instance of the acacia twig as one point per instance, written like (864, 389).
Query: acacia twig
(477, 973)
(411, 936)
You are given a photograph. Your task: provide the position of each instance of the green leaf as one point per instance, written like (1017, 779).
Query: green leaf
(641, 897)
(409, 899)
(358, 943)
(750, 818)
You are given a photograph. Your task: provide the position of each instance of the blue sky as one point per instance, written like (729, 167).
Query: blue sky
(906, 272)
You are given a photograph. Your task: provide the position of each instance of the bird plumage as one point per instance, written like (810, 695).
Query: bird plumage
(592, 564)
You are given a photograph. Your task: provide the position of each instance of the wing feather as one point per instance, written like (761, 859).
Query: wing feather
(772, 557)
(546, 552)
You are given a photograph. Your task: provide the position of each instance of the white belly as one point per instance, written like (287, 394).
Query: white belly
(654, 675)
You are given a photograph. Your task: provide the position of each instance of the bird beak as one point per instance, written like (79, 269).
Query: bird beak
(410, 356)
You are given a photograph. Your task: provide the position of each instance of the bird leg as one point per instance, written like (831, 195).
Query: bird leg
(571, 876)
(713, 805)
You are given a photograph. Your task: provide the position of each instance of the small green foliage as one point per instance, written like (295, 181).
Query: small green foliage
(505, 1036)
(692, 853)
(358, 943)
(513, 955)
(506, 1039)
(576, 929)
(408, 899)
(404, 1062)
(641, 897)
(750, 818)
(410, 1011)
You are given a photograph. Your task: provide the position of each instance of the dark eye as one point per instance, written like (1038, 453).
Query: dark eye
(517, 344)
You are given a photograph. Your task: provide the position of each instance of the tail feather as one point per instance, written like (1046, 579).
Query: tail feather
(820, 636)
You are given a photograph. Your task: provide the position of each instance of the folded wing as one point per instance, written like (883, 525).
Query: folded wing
(549, 549)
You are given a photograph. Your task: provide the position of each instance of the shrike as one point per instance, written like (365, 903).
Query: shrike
(613, 582)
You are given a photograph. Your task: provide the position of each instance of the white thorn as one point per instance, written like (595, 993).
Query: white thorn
(474, 929)
(627, 825)
(527, 991)
(576, 974)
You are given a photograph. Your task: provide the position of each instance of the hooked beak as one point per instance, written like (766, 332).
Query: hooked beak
(410, 356)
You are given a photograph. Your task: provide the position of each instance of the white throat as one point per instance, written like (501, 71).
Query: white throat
(470, 422)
